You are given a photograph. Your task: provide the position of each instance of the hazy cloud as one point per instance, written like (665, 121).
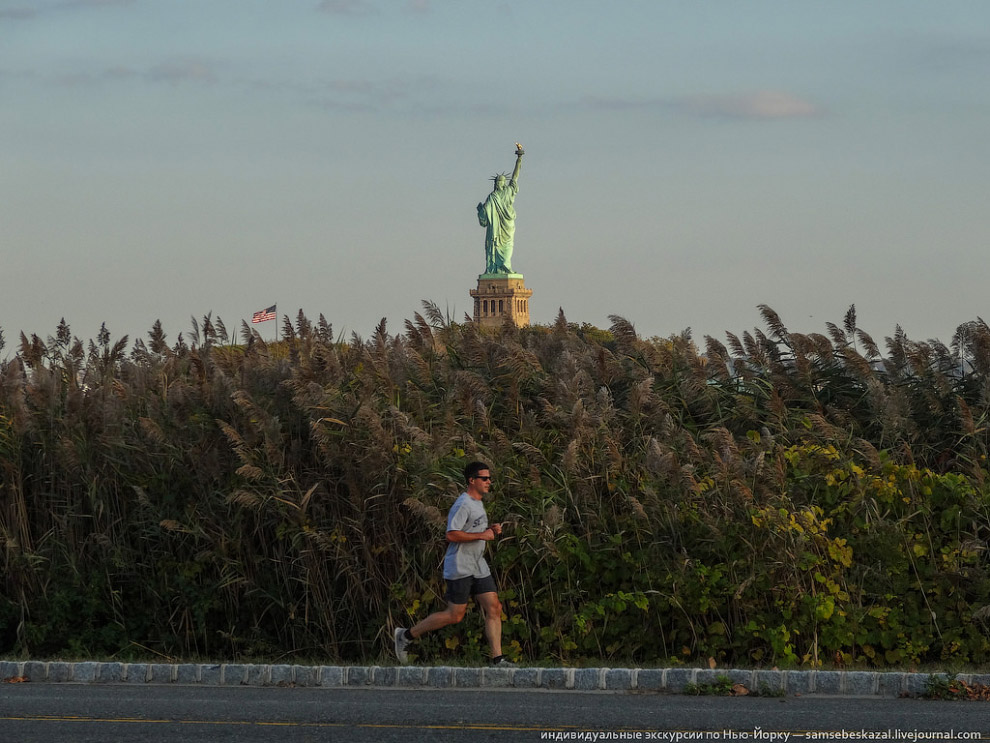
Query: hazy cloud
(348, 7)
(182, 71)
(25, 12)
(18, 14)
(375, 95)
(948, 55)
(419, 6)
(367, 7)
(109, 75)
(93, 3)
(173, 72)
(766, 104)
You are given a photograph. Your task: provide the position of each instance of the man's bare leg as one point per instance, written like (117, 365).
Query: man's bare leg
(453, 614)
(491, 607)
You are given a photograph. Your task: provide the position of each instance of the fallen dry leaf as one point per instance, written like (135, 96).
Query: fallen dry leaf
(16, 680)
(712, 663)
(738, 690)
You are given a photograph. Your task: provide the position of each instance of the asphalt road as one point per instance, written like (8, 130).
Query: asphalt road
(193, 714)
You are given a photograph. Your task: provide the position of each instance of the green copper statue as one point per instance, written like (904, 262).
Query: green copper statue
(498, 217)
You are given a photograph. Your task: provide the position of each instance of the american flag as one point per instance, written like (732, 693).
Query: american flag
(264, 315)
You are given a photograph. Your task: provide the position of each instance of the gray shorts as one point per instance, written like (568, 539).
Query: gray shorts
(460, 590)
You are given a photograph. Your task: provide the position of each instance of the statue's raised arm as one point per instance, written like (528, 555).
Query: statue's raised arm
(515, 171)
(498, 216)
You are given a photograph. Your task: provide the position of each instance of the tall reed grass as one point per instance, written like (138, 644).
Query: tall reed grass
(780, 498)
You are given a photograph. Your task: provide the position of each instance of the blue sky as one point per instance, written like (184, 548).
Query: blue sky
(686, 161)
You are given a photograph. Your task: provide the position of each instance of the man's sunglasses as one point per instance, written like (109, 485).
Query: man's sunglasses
(486, 478)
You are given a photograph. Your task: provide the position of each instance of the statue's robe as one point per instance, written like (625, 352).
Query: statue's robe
(498, 217)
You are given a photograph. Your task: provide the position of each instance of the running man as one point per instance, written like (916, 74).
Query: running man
(465, 569)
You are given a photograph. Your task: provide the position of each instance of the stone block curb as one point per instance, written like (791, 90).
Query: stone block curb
(664, 680)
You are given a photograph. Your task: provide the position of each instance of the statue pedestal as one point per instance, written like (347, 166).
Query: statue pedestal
(500, 297)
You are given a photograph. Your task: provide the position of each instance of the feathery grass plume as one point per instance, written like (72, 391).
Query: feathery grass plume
(772, 319)
(304, 328)
(194, 334)
(839, 338)
(637, 508)
(624, 333)
(381, 338)
(821, 346)
(435, 316)
(324, 331)
(413, 333)
(210, 334)
(849, 321)
(896, 351)
(869, 345)
(532, 453)
(288, 330)
(720, 366)
(725, 445)
(736, 345)
(753, 350)
(430, 514)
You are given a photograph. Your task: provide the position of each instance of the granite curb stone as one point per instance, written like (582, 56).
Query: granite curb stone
(914, 683)
(233, 674)
(587, 679)
(671, 680)
(651, 679)
(211, 674)
(109, 673)
(741, 676)
(257, 675)
(163, 673)
(358, 675)
(187, 673)
(468, 678)
(526, 678)
(59, 672)
(136, 673)
(769, 682)
(620, 679)
(861, 684)
(828, 682)
(799, 682)
(412, 676)
(331, 676)
(35, 670)
(891, 684)
(384, 676)
(307, 676)
(496, 677)
(440, 677)
(558, 678)
(678, 679)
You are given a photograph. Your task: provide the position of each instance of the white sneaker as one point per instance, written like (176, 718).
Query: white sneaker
(401, 643)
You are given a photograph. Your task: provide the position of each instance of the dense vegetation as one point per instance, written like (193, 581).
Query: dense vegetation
(786, 499)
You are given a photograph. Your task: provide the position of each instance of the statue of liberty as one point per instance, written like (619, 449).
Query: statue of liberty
(498, 216)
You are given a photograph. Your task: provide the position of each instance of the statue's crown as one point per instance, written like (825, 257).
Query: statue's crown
(497, 176)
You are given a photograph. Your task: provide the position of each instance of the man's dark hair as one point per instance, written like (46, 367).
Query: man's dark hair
(473, 469)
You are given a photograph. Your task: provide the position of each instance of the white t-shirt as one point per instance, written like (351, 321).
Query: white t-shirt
(466, 559)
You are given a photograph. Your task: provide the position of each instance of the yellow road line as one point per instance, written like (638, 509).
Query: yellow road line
(268, 723)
